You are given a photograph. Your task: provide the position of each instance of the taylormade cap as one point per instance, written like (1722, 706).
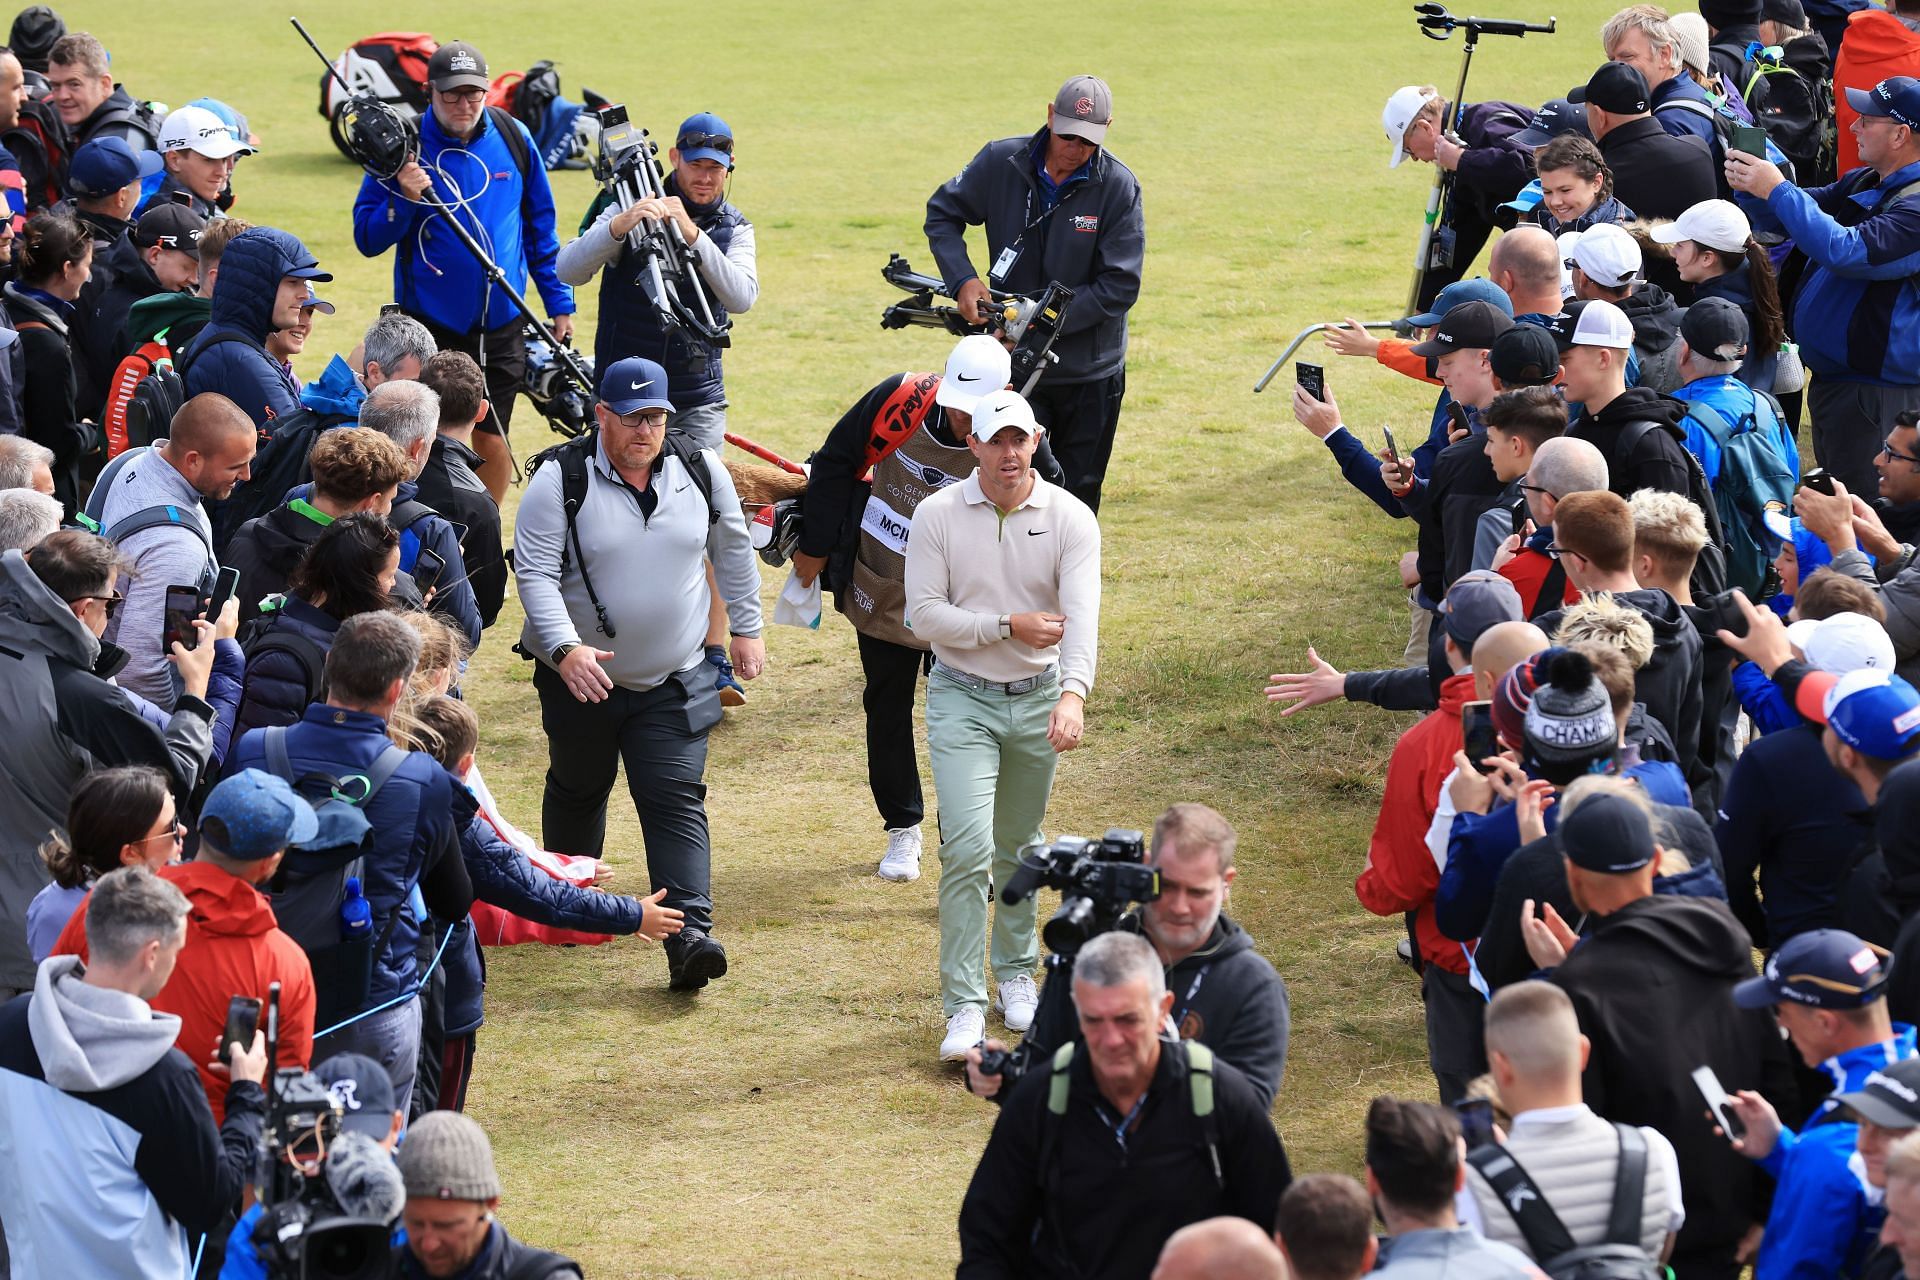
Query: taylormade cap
(1843, 642)
(105, 165)
(457, 65)
(1874, 712)
(1617, 87)
(258, 815)
(1477, 601)
(1468, 326)
(1591, 324)
(1608, 834)
(1525, 356)
(1608, 254)
(170, 226)
(633, 384)
(1083, 109)
(1717, 224)
(1897, 98)
(1716, 329)
(978, 365)
(1402, 108)
(198, 129)
(1478, 289)
(998, 410)
(1888, 1097)
(1822, 968)
(1550, 121)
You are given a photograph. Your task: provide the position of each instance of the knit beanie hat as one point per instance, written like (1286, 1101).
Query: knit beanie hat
(1511, 696)
(1721, 14)
(446, 1156)
(1569, 727)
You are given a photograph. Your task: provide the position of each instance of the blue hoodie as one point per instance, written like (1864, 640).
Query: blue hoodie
(230, 356)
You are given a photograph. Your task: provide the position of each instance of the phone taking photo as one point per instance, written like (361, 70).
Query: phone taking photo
(1478, 738)
(182, 607)
(1519, 515)
(1476, 1121)
(1312, 379)
(1393, 448)
(223, 589)
(1749, 139)
(427, 569)
(1819, 481)
(1719, 1103)
(243, 1020)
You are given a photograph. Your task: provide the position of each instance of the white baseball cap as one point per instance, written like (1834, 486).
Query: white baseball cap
(1608, 254)
(998, 410)
(1402, 108)
(198, 129)
(978, 365)
(1843, 642)
(1563, 244)
(1717, 224)
(1592, 324)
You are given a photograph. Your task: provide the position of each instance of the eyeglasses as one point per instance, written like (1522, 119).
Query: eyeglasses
(1891, 454)
(1556, 551)
(705, 141)
(178, 834)
(112, 602)
(647, 419)
(469, 94)
(1534, 488)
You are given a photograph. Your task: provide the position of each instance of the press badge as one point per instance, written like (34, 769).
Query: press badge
(1004, 263)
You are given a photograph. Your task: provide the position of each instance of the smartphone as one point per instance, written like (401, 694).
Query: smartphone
(1478, 737)
(243, 1020)
(427, 568)
(1312, 379)
(1723, 613)
(223, 589)
(1819, 481)
(1718, 1102)
(183, 606)
(1458, 419)
(1476, 1121)
(1519, 514)
(1749, 139)
(1393, 449)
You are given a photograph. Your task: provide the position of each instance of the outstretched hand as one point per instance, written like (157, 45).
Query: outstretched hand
(1307, 688)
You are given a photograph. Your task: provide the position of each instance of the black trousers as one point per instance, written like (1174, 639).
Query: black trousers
(502, 356)
(660, 734)
(1081, 418)
(1455, 1048)
(893, 771)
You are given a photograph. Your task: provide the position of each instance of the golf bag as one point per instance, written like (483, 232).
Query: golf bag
(566, 132)
(391, 67)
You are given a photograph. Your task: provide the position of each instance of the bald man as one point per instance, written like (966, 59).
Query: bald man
(1525, 263)
(153, 512)
(1220, 1249)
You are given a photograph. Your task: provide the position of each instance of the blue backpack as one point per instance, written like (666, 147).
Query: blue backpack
(1754, 479)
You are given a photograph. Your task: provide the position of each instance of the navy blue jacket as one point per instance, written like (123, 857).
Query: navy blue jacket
(1694, 121)
(276, 690)
(437, 534)
(412, 819)
(250, 273)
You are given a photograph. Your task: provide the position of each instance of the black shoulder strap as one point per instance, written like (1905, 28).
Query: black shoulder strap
(381, 772)
(278, 762)
(516, 147)
(1629, 1187)
(572, 457)
(313, 663)
(1545, 1234)
(1698, 489)
(406, 514)
(680, 445)
(1553, 591)
(153, 517)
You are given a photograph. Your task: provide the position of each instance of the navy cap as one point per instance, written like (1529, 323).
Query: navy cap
(1466, 327)
(1823, 969)
(1715, 329)
(699, 135)
(1478, 289)
(1888, 1097)
(259, 815)
(1606, 833)
(1617, 87)
(633, 384)
(364, 1091)
(1525, 356)
(1897, 98)
(105, 165)
(1476, 602)
(1553, 118)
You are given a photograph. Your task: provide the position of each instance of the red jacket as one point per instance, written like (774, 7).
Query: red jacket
(1401, 875)
(1528, 574)
(234, 948)
(1877, 46)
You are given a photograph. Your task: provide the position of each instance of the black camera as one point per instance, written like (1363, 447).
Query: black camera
(567, 408)
(303, 1233)
(1097, 879)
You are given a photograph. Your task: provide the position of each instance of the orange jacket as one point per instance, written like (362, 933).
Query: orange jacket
(234, 948)
(1401, 874)
(1397, 355)
(1877, 46)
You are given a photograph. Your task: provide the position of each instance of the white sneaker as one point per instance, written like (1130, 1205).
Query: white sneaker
(903, 854)
(965, 1029)
(1017, 1000)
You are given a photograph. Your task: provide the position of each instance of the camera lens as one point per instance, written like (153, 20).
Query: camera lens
(1070, 926)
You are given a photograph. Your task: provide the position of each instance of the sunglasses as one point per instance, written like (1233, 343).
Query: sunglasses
(705, 141)
(113, 602)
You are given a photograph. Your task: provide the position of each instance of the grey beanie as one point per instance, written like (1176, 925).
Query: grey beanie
(1569, 726)
(446, 1156)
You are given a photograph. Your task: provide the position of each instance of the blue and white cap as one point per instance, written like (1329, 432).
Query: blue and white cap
(633, 384)
(259, 815)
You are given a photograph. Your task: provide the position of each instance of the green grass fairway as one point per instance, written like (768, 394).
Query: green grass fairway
(791, 1121)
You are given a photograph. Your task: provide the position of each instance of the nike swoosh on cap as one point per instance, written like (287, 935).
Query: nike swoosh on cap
(647, 383)
(964, 378)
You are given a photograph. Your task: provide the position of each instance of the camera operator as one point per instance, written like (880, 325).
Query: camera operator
(1057, 207)
(1052, 1196)
(1225, 992)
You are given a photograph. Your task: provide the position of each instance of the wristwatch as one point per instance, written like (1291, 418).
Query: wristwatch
(1006, 626)
(560, 654)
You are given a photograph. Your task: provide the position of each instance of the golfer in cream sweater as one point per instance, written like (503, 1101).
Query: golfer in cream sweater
(1003, 580)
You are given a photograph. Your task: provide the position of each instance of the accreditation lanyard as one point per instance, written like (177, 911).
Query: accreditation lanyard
(1011, 254)
(1125, 1123)
(1179, 1014)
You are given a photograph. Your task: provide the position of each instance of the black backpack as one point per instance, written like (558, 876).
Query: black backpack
(43, 145)
(1710, 570)
(572, 457)
(1799, 119)
(260, 637)
(1618, 1257)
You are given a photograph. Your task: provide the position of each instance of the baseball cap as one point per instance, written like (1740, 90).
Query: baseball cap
(1843, 642)
(234, 120)
(198, 129)
(1402, 108)
(633, 384)
(1464, 328)
(457, 65)
(364, 1091)
(1897, 97)
(704, 127)
(1083, 109)
(979, 364)
(1617, 87)
(1478, 289)
(1606, 833)
(259, 815)
(1476, 602)
(1000, 409)
(1715, 328)
(302, 265)
(1608, 254)
(1550, 121)
(315, 302)
(1874, 712)
(1525, 356)
(171, 226)
(1888, 1097)
(1591, 324)
(105, 165)
(1823, 968)
(1717, 224)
